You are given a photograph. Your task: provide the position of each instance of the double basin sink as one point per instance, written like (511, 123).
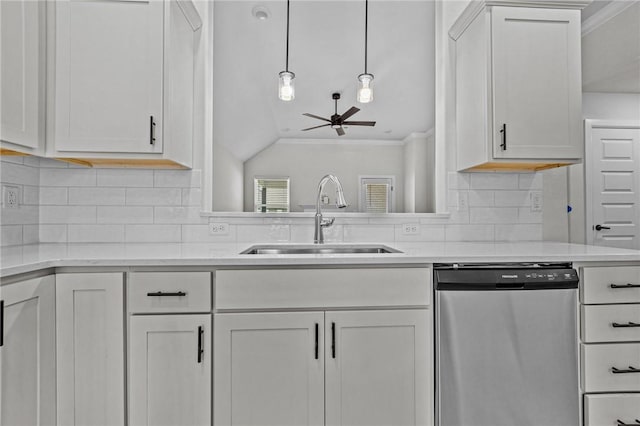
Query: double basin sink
(295, 249)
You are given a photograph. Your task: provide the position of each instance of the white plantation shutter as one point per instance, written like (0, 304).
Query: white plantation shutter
(376, 197)
(271, 195)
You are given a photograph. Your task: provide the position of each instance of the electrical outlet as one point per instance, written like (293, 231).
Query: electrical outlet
(410, 229)
(536, 201)
(10, 197)
(463, 201)
(218, 228)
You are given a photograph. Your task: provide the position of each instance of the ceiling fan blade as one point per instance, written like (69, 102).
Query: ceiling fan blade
(316, 127)
(359, 123)
(316, 116)
(349, 113)
(340, 131)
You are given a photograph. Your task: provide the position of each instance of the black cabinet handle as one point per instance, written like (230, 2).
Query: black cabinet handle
(628, 285)
(503, 145)
(621, 423)
(200, 348)
(333, 340)
(631, 369)
(600, 227)
(316, 347)
(1, 322)
(152, 131)
(160, 293)
(627, 325)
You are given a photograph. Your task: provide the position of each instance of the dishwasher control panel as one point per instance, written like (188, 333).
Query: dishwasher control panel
(498, 277)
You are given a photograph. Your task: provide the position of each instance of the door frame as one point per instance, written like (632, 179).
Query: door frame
(589, 125)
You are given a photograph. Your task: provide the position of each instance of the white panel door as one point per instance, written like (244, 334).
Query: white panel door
(90, 349)
(108, 75)
(613, 183)
(536, 82)
(27, 354)
(170, 370)
(22, 72)
(379, 368)
(269, 369)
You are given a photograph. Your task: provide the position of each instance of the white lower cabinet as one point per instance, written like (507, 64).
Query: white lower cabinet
(170, 370)
(316, 368)
(611, 409)
(90, 349)
(27, 353)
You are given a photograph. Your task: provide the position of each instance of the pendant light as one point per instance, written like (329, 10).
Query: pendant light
(365, 91)
(286, 88)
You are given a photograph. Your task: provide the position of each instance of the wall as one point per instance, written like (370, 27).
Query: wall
(305, 163)
(230, 170)
(20, 226)
(600, 106)
(419, 164)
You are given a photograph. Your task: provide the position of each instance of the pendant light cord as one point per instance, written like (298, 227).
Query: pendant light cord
(287, 58)
(366, 28)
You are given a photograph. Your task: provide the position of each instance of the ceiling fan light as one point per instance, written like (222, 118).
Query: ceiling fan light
(365, 91)
(286, 87)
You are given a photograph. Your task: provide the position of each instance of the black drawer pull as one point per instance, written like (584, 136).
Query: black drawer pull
(631, 369)
(333, 340)
(621, 423)
(160, 293)
(627, 325)
(316, 347)
(152, 130)
(1, 322)
(628, 285)
(503, 145)
(200, 348)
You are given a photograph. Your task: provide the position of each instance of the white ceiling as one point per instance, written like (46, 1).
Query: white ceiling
(326, 53)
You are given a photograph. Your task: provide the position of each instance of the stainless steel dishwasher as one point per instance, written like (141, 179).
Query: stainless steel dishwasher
(506, 345)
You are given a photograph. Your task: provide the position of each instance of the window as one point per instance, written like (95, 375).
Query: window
(376, 194)
(271, 194)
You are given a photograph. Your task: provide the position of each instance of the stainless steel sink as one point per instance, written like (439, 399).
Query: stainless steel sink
(319, 249)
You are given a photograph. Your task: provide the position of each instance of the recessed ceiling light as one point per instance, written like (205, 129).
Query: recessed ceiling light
(260, 12)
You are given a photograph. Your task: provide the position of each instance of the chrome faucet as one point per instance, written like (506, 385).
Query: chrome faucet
(318, 237)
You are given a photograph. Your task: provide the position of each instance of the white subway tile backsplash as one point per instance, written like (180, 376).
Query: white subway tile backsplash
(186, 215)
(191, 197)
(200, 234)
(67, 214)
(426, 233)
(512, 198)
(494, 181)
(368, 233)
(24, 215)
(67, 177)
(153, 233)
(53, 233)
(124, 214)
(30, 195)
(11, 235)
(30, 234)
(177, 178)
(263, 233)
(525, 215)
(530, 180)
(481, 198)
(96, 233)
(50, 195)
(532, 232)
(20, 174)
(303, 234)
(468, 232)
(457, 180)
(493, 215)
(154, 196)
(96, 196)
(125, 177)
(50, 163)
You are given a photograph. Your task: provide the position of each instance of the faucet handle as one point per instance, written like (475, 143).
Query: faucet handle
(325, 223)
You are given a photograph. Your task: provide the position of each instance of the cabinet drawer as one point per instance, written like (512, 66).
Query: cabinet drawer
(598, 362)
(611, 285)
(606, 410)
(610, 323)
(154, 292)
(322, 288)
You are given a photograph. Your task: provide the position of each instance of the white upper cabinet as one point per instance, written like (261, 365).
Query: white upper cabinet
(518, 86)
(123, 81)
(22, 65)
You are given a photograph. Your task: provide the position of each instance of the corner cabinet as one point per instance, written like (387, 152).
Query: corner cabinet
(22, 70)
(518, 85)
(362, 354)
(122, 82)
(27, 352)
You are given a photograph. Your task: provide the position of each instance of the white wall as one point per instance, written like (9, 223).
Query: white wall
(306, 162)
(419, 164)
(599, 106)
(227, 168)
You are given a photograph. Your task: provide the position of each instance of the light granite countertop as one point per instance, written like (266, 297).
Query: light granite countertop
(28, 258)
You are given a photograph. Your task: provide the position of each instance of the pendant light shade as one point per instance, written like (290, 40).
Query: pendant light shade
(286, 87)
(365, 91)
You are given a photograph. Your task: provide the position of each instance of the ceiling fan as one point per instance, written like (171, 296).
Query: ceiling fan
(337, 120)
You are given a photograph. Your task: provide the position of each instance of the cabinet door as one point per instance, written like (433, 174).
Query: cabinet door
(170, 370)
(269, 369)
(108, 75)
(22, 72)
(536, 83)
(90, 349)
(379, 368)
(27, 356)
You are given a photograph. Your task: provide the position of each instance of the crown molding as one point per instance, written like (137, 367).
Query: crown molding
(476, 7)
(605, 14)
